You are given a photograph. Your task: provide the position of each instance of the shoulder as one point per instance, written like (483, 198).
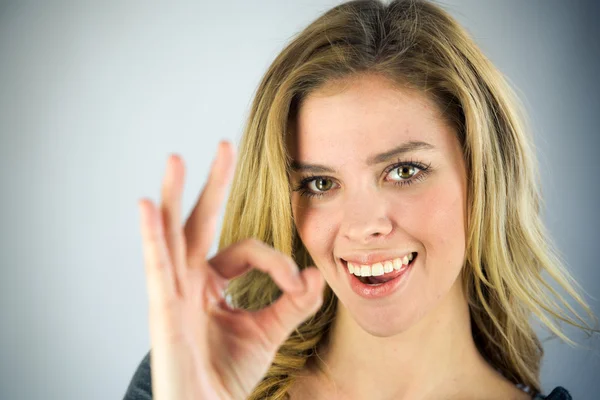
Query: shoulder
(559, 393)
(140, 387)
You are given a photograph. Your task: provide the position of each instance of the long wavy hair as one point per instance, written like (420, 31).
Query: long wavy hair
(415, 44)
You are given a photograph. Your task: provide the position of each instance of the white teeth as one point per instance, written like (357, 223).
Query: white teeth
(365, 270)
(377, 269)
(388, 266)
(354, 269)
(380, 268)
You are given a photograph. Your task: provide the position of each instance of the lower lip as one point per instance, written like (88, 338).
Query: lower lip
(384, 289)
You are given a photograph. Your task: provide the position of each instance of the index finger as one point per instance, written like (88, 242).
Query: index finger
(201, 225)
(244, 255)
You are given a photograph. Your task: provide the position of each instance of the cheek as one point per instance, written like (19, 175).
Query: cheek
(315, 227)
(442, 230)
(434, 218)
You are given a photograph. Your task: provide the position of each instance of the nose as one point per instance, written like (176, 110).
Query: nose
(365, 219)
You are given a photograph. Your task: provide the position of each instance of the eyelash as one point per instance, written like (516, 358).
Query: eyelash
(424, 170)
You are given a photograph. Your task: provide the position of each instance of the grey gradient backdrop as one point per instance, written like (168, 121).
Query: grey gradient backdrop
(93, 98)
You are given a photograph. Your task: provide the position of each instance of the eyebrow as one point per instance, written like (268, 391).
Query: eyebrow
(404, 148)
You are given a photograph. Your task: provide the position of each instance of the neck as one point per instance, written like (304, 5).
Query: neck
(434, 357)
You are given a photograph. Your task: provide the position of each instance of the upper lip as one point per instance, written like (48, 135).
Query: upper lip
(372, 258)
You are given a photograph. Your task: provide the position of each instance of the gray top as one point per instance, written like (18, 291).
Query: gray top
(140, 387)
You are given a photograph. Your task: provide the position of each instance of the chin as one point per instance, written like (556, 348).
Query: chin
(411, 310)
(388, 321)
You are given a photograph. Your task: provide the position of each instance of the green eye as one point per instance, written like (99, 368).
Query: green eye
(407, 171)
(322, 184)
(315, 186)
(401, 174)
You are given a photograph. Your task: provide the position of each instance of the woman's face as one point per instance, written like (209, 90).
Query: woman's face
(379, 175)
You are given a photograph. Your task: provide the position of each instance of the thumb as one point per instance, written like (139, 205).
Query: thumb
(282, 317)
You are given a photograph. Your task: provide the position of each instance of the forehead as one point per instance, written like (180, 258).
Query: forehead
(360, 117)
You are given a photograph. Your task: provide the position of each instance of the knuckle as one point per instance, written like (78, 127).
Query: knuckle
(149, 238)
(168, 212)
(154, 238)
(162, 263)
(279, 323)
(173, 236)
(154, 261)
(252, 243)
(298, 305)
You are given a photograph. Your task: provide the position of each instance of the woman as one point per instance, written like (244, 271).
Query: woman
(384, 148)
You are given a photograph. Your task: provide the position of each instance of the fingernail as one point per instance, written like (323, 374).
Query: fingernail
(297, 281)
(294, 266)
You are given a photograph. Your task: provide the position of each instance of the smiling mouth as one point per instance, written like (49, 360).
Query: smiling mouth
(378, 278)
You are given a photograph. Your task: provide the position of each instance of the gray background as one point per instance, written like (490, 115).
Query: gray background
(93, 98)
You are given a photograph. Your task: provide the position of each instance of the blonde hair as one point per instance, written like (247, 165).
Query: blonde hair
(417, 45)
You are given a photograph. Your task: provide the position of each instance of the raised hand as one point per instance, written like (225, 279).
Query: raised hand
(201, 348)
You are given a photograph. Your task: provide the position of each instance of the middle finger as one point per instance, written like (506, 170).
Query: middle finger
(170, 208)
(201, 224)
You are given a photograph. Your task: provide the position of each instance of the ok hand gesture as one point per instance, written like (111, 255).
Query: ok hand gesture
(201, 348)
